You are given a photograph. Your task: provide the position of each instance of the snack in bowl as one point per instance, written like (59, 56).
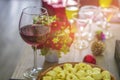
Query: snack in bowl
(75, 71)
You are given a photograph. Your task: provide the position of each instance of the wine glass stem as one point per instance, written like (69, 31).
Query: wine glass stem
(35, 57)
(90, 29)
(90, 25)
(81, 35)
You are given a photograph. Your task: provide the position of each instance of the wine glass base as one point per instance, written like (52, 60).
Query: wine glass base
(82, 44)
(32, 73)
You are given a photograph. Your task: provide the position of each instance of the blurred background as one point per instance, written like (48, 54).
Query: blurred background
(11, 43)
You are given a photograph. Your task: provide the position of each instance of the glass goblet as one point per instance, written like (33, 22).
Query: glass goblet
(34, 32)
(89, 12)
(108, 13)
(81, 23)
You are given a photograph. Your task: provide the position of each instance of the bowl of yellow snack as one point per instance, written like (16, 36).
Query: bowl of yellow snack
(75, 71)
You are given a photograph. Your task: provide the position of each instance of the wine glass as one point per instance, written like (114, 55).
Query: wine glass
(90, 13)
(81, 23)
(72, 6)
(108, 13)
(34, 32)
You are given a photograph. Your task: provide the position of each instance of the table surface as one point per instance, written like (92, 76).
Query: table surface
(107, 61)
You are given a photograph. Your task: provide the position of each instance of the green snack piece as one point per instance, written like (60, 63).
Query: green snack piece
(106, 75)
(47, 78)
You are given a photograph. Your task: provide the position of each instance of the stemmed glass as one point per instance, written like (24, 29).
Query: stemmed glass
(89, 13)
(34, 32)
(81, 24)
(108, 13)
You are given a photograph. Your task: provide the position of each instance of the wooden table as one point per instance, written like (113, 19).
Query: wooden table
(106, 61)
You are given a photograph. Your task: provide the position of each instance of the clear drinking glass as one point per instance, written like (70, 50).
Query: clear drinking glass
(89, 12)
(108, 13)
(81, 23)
(72, 6)
(34, 32)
